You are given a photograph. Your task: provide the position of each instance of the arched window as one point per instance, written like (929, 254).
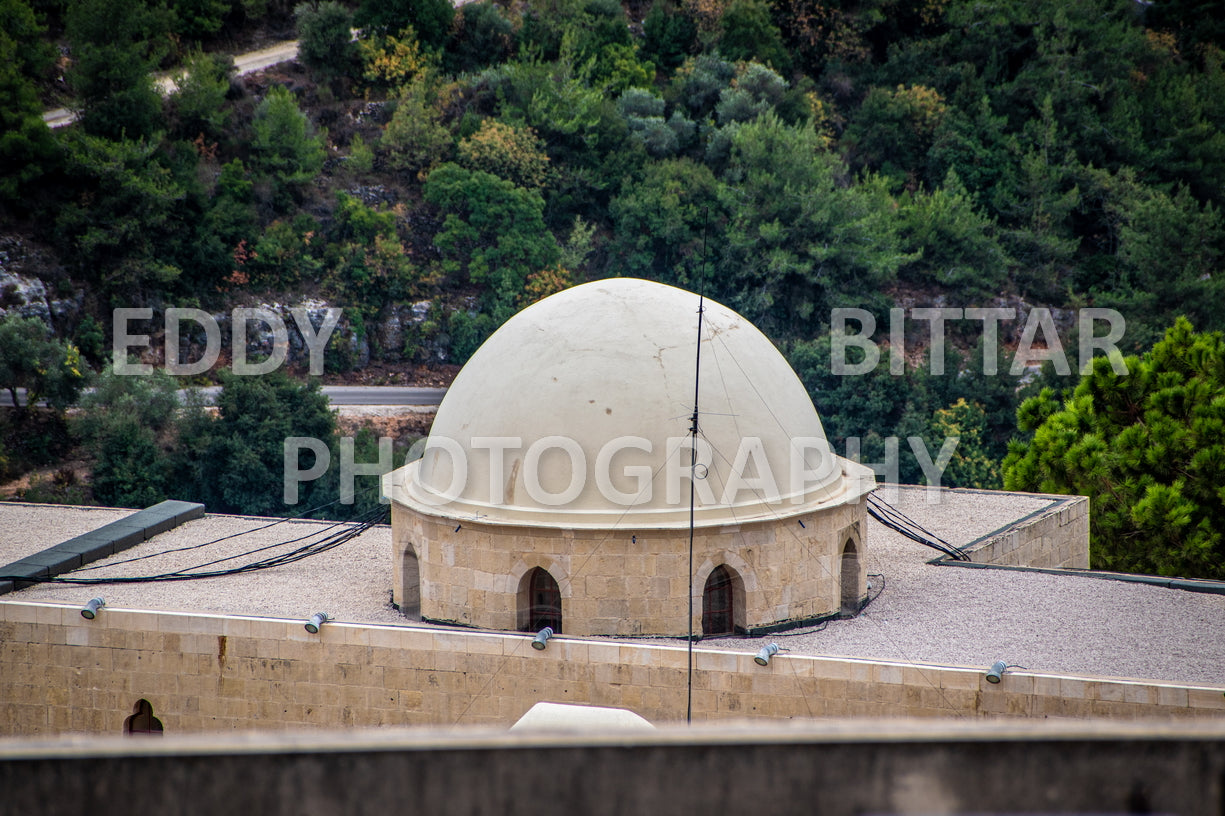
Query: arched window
(850, 579)
(543, 601)
(719, 603)
(410, 584)
(142, 720)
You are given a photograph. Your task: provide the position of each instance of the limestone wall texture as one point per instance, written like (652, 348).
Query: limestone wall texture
(60, 673)
(627, 581)
(1057, 537)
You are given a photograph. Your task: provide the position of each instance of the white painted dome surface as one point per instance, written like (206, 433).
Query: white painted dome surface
(576, 413)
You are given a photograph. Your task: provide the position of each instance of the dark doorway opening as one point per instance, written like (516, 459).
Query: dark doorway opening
(719, 603)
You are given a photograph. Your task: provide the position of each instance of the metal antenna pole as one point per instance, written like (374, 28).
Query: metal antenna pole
(693, 475)
(693, 457)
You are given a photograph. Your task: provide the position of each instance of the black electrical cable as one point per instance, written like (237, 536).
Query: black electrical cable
(872, 598)
(898, 521)
(300, 516)
(353, 529)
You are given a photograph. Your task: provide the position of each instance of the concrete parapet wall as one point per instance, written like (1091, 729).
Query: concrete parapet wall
(60, 673)
(833, 768)
(1055, 537)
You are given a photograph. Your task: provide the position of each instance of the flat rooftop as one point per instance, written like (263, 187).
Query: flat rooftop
(921, 612)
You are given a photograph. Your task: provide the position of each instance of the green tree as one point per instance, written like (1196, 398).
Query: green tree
(1147, 447)
(225, 227)
(415, 138)
(31, 54)
(430, 19)
(30, 358)
(660, 223)
(972, 464)
(617, 67)
(199, 103)
(366, 264)
(755, 90)
(481, 36)
(200, 19)
(552, 98)
(860, 412)
(1164, 250)
(325, 42)
(285, 145)
(234, 463)
(116, 45)
(27, 150)
(130, 469)
(749, 33)
(592, 27)
(1046, 196)
(957, 244)
(129, 424)
(798, 240)
(493, 230)
(643, 112)
(669, 35)
(894, 129)
(125, 216)
(700, 82)
(286, 254)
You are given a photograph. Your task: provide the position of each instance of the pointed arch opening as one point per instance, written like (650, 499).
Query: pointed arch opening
(722, 602)
(539, 601)
(850, 579)
(410, 584)
(142, 720)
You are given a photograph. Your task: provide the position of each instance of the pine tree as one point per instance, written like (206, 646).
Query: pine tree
(1147, 447)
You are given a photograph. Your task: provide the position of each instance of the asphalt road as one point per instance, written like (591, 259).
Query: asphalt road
(350, 395)
(372, 395)
(247, 63)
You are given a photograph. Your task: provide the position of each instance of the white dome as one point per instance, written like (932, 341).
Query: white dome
(577, 411)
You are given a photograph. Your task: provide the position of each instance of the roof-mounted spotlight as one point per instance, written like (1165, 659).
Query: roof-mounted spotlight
(90, 610)
(765, 653)
(317, 620)
(542, 638)
(996, 672)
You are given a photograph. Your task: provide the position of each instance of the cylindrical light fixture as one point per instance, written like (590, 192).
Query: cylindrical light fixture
(90, 610)
(996, 672)
(765, 653)
(317, 620)
(542, 638)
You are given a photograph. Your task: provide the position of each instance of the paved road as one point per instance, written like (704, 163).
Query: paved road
(371, 395)
(350, 395)
(247, 63)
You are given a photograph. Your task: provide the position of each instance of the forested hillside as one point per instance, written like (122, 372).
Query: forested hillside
(446, 167)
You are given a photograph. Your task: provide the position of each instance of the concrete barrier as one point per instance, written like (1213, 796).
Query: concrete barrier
(862, 766)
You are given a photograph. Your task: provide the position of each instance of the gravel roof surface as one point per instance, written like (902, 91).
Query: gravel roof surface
(1047, 623)
(351, 582)
(925, 613)
(29, 528)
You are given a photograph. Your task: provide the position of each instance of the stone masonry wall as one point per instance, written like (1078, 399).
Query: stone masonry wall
(1057, 537)
(624, 582)
(60, 673)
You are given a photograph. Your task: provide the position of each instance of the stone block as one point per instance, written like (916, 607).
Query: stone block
(1206, 698)
(1140, 693)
